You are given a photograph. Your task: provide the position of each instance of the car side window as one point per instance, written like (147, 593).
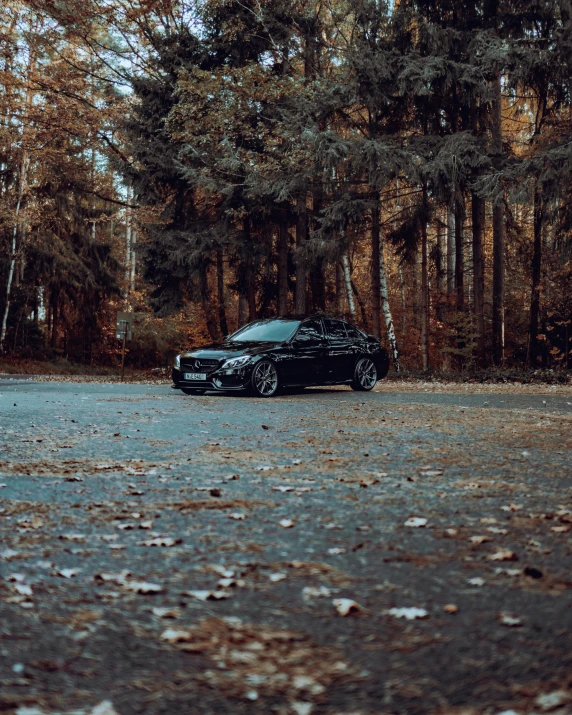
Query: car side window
(336, 329)
(353, 333)
(310, 332)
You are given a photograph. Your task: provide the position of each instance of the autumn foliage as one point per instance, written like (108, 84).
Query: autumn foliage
(405, 165)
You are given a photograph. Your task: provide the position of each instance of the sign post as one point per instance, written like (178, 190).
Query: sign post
(124, 332)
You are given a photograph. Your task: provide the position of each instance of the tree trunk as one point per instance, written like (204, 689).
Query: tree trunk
(249, 272)
(13, 252)
(283, 263)
(375, 269)
(403, 301)
(361, 306)
(317, 271)
(301, 268)
(498, 232)
(220, 292)
(242, 310)
(339, 290)
(133, 258)
(348, 282)
(424, 299)
(385, 307)
(478, 217)
(127, 242)
(54, 337)
(533, 346)
(206, 302)
(459, 258)
(441, 260)
(317, 285)
(451, 252)
(21, 188)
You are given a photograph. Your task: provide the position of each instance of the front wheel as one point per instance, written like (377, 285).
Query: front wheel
(191, 391)
(264, 381)
(365, 375)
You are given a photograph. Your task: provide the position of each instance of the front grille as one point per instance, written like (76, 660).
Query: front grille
(199, 365)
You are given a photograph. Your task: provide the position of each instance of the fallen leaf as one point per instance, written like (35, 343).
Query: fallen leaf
(509, 619)
(208, 595)
(277, 577)
(118, 578)
(175, 635)
(409, 614)
(166, 612)
(551, 701)
(104, 708)
(230, 583)
(345, 606)
(476, 581)
(222, 570)
(497, 530)
(301, 708)
(159, 541)
(22, 589)
(503, 556)
(143, 587)
(416, 521)
(315, 592)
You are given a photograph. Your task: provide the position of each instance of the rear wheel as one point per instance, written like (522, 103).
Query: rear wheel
(264, 381)
(365, 375)
(192, 391)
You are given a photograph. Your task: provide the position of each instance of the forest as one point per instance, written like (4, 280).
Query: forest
(202, 163)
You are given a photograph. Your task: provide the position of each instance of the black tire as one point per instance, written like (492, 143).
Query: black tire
(265, 381)
(192, 391)
(365, 375)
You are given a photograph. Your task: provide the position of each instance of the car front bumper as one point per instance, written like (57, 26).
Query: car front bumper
(221, 380)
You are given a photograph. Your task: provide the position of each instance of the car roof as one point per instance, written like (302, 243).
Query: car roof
(306, 316)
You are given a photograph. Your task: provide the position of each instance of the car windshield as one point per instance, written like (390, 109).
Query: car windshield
(275, 331)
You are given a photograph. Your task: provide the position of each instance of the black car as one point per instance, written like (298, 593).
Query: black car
(291, 352)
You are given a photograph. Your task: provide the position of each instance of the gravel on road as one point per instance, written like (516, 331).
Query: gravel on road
(400, 551)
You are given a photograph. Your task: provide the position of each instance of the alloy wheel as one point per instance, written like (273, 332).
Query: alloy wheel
(366, 374)
(265, 379)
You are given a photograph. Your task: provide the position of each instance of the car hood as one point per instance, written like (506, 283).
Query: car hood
(223, 351)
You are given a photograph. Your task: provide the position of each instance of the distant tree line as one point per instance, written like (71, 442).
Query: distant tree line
(406, 165)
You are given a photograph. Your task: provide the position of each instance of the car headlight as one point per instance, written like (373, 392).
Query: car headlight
(178, 361)
(237, 361)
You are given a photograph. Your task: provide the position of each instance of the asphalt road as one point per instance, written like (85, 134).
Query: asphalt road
(175, 554)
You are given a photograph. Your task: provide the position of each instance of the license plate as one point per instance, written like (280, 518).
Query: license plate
(195, 376)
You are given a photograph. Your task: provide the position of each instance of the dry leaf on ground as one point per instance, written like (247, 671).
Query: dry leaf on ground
(345, 606)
